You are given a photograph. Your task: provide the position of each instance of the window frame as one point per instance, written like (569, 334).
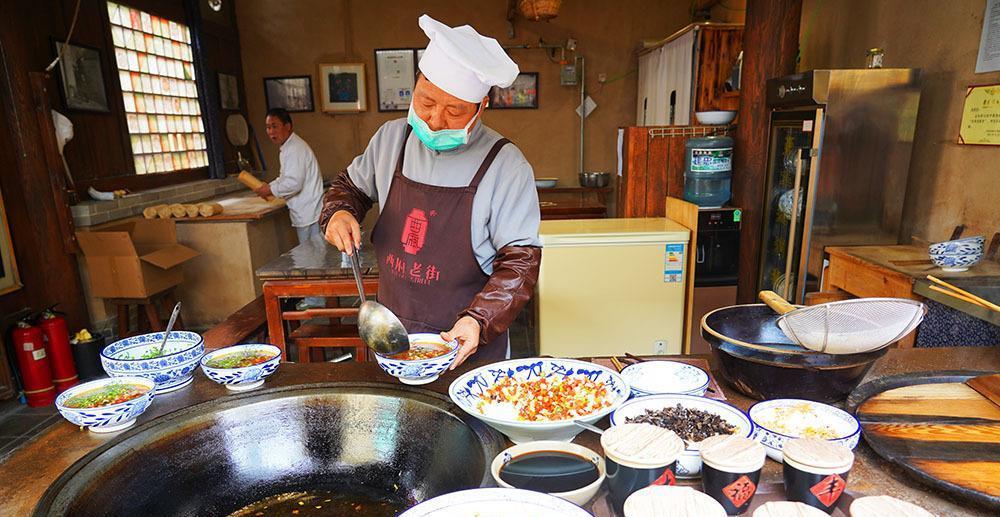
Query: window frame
(129, 179)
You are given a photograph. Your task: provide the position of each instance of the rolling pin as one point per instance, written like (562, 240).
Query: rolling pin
(251, 182)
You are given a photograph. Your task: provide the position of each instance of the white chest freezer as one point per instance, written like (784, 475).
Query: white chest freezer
(610, 286)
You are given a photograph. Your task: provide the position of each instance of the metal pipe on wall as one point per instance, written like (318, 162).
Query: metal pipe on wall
(583, 100)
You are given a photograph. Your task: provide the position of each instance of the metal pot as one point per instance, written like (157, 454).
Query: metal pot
(757, 359)
(594, 179)
(371, 441)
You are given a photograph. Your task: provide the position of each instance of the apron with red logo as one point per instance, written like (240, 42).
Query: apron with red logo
(427, 270)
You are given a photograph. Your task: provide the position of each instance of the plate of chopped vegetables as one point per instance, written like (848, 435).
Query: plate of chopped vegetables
(106, 405)
(538, 399)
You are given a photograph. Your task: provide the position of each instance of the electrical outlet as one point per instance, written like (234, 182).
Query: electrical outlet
(602, 78)
(660, 348)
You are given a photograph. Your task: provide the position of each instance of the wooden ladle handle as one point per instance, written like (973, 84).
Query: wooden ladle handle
(776, 302)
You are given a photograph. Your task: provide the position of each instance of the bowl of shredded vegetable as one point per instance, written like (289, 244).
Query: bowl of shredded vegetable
(241, 367)
(538, 399)
(106, 405)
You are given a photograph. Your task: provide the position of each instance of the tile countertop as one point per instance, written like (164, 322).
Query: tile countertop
(317, 259)
(27, 472)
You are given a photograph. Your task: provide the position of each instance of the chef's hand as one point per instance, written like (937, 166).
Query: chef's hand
(466, 331)
(344, 232)
(264, 191)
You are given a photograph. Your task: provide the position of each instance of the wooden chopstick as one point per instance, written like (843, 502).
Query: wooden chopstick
(955, 295)
(979, 301)
(617, 363)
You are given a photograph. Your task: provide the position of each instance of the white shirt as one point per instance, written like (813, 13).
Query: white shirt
(505, 209)
(300, 183)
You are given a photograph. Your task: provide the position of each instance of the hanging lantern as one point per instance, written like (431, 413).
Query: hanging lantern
(539, 10)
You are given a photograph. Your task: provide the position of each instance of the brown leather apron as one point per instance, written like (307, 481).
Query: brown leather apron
(428, 272)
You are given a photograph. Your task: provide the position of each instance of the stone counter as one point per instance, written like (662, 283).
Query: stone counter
(27, 472)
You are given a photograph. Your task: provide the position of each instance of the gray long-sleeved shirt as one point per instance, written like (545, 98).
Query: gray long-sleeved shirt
(505, 209)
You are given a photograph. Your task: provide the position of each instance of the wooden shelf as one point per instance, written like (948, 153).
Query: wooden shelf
(575, 190)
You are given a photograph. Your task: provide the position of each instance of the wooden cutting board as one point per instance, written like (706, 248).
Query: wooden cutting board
(936, 428)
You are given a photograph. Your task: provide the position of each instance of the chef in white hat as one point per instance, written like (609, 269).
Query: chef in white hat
(457, 233)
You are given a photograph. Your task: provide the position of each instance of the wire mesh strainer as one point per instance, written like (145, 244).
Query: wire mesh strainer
(848, 326)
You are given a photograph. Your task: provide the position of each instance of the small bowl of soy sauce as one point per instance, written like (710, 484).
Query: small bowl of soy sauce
(565, 470)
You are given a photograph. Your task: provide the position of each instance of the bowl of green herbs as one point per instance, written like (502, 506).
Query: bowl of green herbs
(171, 368)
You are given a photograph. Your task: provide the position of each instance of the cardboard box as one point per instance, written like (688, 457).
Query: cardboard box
(134, 259)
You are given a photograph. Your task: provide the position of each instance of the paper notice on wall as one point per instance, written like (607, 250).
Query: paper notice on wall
(588, 106)
(621, 140)
(989, 41)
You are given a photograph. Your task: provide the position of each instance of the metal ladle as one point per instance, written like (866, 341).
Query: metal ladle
(380, 329)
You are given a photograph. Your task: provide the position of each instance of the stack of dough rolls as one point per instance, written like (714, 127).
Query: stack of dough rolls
(178, 210)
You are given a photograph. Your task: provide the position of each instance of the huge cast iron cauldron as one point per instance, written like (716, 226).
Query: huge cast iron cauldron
(735, 334)
(213, 458)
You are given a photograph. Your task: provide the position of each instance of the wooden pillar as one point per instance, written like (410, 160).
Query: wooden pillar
(770, 46)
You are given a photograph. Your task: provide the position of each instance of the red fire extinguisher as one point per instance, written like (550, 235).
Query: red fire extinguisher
(57, 346)
(33, 363)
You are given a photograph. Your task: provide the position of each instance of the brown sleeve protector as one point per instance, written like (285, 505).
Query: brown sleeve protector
(515, 272)
(344, 195)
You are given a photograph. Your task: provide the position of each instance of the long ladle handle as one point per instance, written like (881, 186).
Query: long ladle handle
(356, 266)
(776, 302)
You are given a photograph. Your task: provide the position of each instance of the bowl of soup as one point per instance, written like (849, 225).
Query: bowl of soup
(241, 367)
(171, 367)
(106, 405)
(428, 356)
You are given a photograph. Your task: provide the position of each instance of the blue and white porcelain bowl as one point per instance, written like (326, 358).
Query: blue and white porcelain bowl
(660, 377)
(172, 371)
(466, 392)
(779, 420)
(246, 377)
(106, 419)
(689, 462)
(420, 371)
(957, 255)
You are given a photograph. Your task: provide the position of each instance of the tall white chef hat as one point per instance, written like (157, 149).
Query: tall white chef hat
(464, 63)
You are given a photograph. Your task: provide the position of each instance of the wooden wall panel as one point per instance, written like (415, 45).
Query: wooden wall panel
(770, 43)
(719, 48)
(657, 158)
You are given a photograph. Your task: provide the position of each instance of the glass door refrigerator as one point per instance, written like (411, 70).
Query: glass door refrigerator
(837, 167)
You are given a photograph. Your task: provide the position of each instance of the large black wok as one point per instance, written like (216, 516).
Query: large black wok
(735, 334)
(378, 441)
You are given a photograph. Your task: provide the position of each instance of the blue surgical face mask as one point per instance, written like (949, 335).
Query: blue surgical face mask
(442, 139)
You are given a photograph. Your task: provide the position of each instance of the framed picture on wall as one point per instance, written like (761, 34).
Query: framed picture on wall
(523, 94)
(9, 280)
(342, 88)
(395, 75)
(229, 92)
(82, 78)
(293, 93)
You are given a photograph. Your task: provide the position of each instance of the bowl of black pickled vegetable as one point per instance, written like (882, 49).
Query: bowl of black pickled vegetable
(693, 418)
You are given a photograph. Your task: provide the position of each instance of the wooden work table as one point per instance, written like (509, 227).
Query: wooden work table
(28, 471)
(315, 268)
(900, 272)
